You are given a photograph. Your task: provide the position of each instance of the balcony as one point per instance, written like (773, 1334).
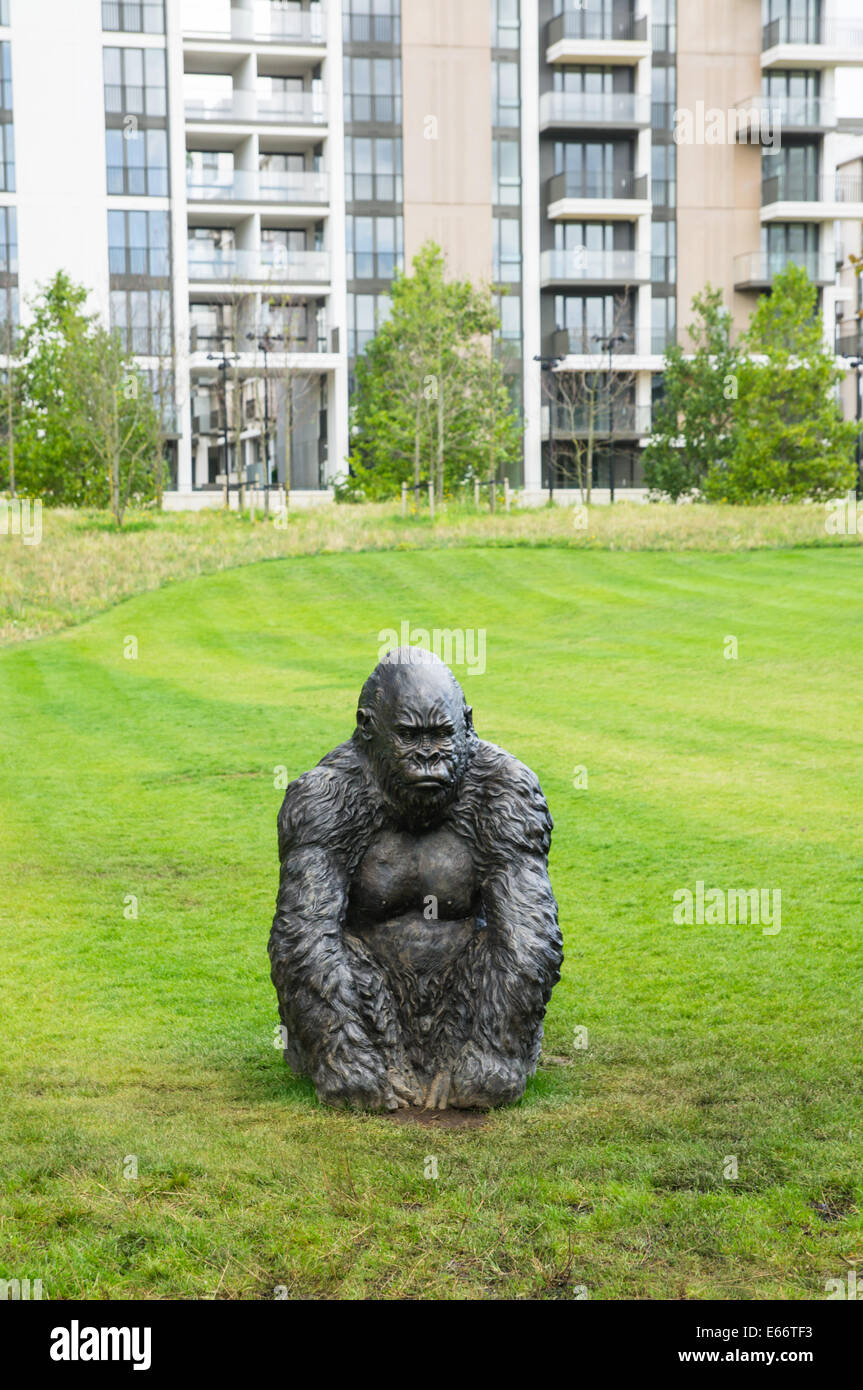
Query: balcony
(245, 186)
(288, 108)
(585, 36)
(610, 110)
(811, 43)
(849, 339)
(794, 197)
(579, 266)
(572, 194)
(803, 115)
(270, 265)
(757, 270)
(621, 420)
(202, 341)
(367, 28)
(266, 24)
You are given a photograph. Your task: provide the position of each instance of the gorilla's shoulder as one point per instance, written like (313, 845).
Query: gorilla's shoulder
(506, 801)
(321, 806)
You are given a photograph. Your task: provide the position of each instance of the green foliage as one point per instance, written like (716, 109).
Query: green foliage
(790, 441)
(430, 401)
(86, 416)
(695, 420)
(757, 421)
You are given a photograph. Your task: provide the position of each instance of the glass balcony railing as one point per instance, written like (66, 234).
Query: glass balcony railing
(290, 26)
(586, 342)
(286, 108)
(601, 419)
(242, 185)
(573, 184)
(592, 24)
(761, 267)
(849, 339)
(594, 108)
(792, 113)
(789, 187)
(580, 264)
(270, 264)
(811, 30)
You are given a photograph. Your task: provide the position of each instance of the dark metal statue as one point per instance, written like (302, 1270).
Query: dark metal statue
(415, 943)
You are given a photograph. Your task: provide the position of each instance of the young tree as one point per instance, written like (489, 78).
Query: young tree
(118, 411)
(424, 404)
(790, 442)
(694, 423)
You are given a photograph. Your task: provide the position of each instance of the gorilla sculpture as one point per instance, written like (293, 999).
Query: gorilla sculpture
(415, 943)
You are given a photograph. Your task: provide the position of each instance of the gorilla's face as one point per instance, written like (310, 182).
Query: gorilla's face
(418, 740)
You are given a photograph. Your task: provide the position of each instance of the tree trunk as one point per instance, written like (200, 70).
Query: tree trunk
(440, 445)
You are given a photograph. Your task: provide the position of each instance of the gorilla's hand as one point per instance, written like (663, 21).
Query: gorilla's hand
(361, 1083)
(485, 1079)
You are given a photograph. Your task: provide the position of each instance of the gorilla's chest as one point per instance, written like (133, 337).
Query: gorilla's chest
(431, 874)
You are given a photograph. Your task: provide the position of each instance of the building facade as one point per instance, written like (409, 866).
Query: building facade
(237, 181)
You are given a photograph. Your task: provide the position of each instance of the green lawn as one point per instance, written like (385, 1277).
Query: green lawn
(152, 1037)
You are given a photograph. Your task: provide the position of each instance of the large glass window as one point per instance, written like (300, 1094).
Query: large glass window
(8, 241)
(134, 16)
(504, 92)
(375, 247)
(373, 169)
(138, 243)
(589, 318)
(135, 81)
(137, 162)
(506, 172)
(6, 75)
(663, 93)
(790, 172)
(366, 314)
(373, 90)
(663, 322)
(504, 23)
(506, 245)
(7, 158)
(143, 319)
(4, 12)
(663, 246)
(594, 81)
(371, 21)
(663, 175)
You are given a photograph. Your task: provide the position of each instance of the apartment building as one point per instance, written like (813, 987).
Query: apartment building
(237, 181)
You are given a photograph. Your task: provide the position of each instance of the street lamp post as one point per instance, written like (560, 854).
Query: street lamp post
(608, 345)
(550, 364)
(857, 364)
(266, 340)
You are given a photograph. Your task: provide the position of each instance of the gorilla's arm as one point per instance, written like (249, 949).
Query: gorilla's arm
(513, 976)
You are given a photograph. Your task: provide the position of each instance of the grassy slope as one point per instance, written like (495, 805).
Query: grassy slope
(83, 565)
(152, 1037)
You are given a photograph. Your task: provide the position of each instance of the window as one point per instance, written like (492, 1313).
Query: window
(593, 81)
(509, 309)
(373, 169)
(790, 172)
(143, 318)
(137, 162)
(366, 314)
(663, 322)
(138, 243)
(588, 317)
(375, 247)
(663, 94)
(6, 75)
(504, 23)
(371, 21)
(506, 244)
(373, 90)
(8, 241)
(4, 12)
(135, 81)
(663, 247)
(596, 168)
(134, 16)
(786, 242)
(506, 172)
(7, 158)
(663, 168)
(504, 92)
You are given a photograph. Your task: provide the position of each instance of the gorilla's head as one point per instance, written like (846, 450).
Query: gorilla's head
(417, 732)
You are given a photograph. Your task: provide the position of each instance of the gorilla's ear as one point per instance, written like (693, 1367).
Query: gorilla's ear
(365, 723)
(468, 718)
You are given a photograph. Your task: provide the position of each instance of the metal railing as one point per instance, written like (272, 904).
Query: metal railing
(590, 25)
(580, 264)
(594, 108)
(760, 267)
(270, 264)
(792, 188)
(572, 184)
(849, 339)
(580, 342)
(812, 30)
